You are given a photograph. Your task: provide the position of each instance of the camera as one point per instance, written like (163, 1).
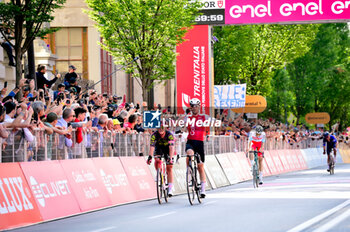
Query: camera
(75, 125)
(81, 102)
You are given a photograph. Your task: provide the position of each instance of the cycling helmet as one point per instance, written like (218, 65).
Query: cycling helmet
(195, 101)
(325, 134)
(259, 129)
(163, 124)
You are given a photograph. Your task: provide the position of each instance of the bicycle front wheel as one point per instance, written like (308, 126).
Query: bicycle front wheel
(190, 182)
(159, 186)
(165, 187)
(255, 176)
(198, 187)
(331, 166)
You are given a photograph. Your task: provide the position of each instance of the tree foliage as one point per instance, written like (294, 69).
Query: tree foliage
(280, 100)
(21, 21)
(148, 29)
(320, 80)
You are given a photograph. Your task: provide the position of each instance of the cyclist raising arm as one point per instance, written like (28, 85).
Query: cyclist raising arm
(195, 140)
(331, 143)
(256, 143)
(162, 144)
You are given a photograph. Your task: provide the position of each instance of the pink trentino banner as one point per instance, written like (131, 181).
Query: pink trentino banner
(272, 11)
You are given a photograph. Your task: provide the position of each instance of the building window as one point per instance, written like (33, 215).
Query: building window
(70, 44)
(106, 70)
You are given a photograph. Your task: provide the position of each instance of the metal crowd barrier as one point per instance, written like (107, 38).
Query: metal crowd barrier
(16, 148)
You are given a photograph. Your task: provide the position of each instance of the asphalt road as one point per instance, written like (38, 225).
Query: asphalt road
(310, 200)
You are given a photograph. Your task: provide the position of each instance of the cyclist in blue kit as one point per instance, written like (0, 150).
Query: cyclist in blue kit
(331, 143)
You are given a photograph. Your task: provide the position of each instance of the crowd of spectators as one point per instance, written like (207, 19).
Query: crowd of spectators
(34, 118)
(68, 112)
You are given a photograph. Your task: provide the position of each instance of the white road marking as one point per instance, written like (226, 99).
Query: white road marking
(162, 215)
(318, 218)
(209, 202)
(302, 194)
(333, 222)
(104, 229)
(291, 186)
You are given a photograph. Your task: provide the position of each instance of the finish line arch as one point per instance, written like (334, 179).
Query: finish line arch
(195, 62)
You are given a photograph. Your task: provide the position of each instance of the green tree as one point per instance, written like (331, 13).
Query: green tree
(321, 77)
(22, 21)
(280, 99)
(148, 29)
(254, 52)
(300, 86)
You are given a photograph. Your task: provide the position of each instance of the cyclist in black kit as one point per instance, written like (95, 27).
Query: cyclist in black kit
(162, 144)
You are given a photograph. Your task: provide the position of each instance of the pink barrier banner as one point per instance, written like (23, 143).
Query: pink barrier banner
(229, 170)
(17, 204)
(301, 159)
(270, 163)
(275, 11)
(276, 159)
(114, 178)
(139, 177)
(266, 168)
(86, 184)
(287, 154)
(235, 161)
(295, 159)
(51, 189)
(245, 165)
(283, 158)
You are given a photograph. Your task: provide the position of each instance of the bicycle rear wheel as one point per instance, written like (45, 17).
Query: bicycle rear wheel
(255, 176)
(159, 186)
(190, 182)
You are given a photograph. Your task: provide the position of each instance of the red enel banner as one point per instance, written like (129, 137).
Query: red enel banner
(192, 69)
(51, 189)
(115, 180)
(140, 177)
(17, 204)
(86, 184)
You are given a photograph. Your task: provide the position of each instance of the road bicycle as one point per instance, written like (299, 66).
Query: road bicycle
(193, 185)
(162, 182)
(255, 169)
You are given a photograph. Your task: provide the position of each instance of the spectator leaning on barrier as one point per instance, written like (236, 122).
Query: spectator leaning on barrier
(66, 140)
(3, 132)
(138, 127)
(51, 121)
(80, 114)
(39, 114)
(102, 125)
(131, 122)
(17, 136)
(122, 117)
